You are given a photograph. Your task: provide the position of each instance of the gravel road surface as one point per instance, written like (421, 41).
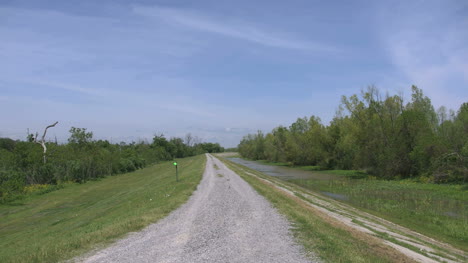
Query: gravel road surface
(225, 220)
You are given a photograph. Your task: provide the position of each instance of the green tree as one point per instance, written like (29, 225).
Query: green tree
(79, 136)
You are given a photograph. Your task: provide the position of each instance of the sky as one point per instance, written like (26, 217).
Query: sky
(127, 70)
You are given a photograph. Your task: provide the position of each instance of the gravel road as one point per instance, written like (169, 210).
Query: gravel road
(225, 220)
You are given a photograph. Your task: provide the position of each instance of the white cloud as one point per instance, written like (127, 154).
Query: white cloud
(429, 48)
(163, 100)
(243, 31)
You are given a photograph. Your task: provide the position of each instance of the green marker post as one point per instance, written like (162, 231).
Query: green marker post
(176, 172)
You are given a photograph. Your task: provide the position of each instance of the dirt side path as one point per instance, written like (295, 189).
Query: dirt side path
(225, 220)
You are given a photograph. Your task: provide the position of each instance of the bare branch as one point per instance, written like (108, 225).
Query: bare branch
(42, 142)
(45, 131)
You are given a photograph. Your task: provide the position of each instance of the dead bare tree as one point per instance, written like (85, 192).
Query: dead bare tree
(188, 139)
(42, 141)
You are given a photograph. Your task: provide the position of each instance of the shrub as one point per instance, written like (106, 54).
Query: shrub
(11, 184)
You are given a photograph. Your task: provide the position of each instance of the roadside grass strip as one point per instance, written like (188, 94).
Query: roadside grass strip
(81, 217)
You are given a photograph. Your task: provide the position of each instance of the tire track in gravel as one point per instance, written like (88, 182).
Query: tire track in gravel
(225, 220)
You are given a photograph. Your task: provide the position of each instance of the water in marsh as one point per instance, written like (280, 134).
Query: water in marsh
(286, 173)
(387, 197)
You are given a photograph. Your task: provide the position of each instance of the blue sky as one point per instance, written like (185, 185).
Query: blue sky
(217, 69)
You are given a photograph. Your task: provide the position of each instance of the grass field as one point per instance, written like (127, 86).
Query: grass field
(317, 233)
(67, 222)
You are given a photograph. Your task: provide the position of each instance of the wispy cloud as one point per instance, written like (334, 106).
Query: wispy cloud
(73, 87)
(242, 31)
(429, 48)
(151, 99)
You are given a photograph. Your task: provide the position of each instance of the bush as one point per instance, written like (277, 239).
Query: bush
(126, 165)
(450, 168)
(11, 184)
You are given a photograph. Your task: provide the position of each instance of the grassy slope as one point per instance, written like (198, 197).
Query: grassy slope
(319, 234)
(70, 221)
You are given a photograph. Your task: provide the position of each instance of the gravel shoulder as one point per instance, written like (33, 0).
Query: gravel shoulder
(225, 220)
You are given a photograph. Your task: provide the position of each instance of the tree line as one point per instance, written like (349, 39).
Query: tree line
(381, 135)
(23, 163)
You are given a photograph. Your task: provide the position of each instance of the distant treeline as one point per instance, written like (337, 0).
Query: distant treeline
(82, 159)
(381, 135)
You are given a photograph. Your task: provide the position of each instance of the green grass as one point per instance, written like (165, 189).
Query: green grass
(354, 174)
(69, 221)
(330, 242)
(232, 154)
(438, 211)
(310, 168)
(300, 167)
